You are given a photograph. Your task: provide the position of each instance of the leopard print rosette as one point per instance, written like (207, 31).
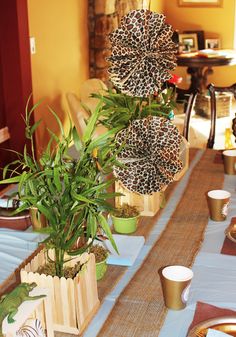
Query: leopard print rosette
(150, 155)
(142, 53)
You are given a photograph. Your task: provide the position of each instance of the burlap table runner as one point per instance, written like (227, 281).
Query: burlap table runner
(140, 309)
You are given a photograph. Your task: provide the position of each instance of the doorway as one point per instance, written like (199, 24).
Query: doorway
(15, 77)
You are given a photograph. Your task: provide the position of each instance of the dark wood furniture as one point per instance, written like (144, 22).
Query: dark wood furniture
(189, 99)
(199, 67)
(212, 90)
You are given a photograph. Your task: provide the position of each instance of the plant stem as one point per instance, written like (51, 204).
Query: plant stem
(59, 260)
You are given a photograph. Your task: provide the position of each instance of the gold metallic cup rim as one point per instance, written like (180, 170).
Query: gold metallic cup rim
(218, 201)
(229, 157)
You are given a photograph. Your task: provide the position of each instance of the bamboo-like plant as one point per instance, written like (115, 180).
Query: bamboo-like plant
(120, 109)
(70, 192)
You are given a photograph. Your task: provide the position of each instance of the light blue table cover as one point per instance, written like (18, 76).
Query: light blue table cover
(214, 280)
(214, 274)
(15, 247)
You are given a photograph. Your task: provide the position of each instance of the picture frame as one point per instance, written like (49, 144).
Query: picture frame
(200, 37)
(212, 43)
(200, 3)
(189, 42)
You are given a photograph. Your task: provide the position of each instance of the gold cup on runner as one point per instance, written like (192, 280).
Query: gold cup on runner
(218, 203)
(38, 220)
(176, 282)
(229, 157)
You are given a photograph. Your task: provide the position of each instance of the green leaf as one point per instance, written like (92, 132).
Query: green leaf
(12, 180)
(58, 121)
(80, 197)
(91, 124)
(103, 222)
(48, 214)
(102, 138)
(92, 224)
(77, 141)
(56, 179)
(35, 126)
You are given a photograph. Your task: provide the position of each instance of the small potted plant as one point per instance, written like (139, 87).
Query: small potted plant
(101, 255)
(125, 219)
(72, 195)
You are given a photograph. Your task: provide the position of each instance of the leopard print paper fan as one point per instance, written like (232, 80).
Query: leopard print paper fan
(150, 155)
(142, 53)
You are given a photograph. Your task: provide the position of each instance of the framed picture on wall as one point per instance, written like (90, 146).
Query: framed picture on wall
(189, 42)
(200, 3)
(212, 43)
(200, 37)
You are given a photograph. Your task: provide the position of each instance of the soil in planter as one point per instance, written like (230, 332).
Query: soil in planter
(99, 252)
(68, 272)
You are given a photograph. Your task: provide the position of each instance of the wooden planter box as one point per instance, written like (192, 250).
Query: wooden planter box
(74, 301)
(184, 157)
(148, 205)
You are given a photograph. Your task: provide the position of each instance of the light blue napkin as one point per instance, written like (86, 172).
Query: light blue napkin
(128, 247)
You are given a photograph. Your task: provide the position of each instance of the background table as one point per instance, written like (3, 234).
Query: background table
(200, 67)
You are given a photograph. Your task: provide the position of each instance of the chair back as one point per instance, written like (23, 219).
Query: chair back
(78, 113)
(190, 98)
(212, 91)
(77, 105)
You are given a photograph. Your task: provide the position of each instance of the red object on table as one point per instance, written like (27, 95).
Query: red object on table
(206, 311)
(175, 79)
(19, 224)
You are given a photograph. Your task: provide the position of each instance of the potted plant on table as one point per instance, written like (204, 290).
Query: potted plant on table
(72, 194)
(101, 255)
(125, 219)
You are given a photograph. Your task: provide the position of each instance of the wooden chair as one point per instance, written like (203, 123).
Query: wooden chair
(79, 114)
(212, 90)
(189, 98)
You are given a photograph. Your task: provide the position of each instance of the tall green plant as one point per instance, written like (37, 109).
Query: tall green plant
(119, 109)
(70, 192)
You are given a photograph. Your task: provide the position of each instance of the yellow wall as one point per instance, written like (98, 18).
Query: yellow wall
(215, 22)
(157, 6)
(61, 60)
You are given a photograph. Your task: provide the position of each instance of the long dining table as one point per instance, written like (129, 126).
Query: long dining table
(180, 233)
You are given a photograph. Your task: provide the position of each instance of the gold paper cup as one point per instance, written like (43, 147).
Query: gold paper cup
(229, 161)
(38, 220)
(218, 203)
(175, 286)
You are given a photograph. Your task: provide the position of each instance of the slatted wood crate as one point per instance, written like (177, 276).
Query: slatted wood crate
(148, 205)
(184, 157)
(74, 301)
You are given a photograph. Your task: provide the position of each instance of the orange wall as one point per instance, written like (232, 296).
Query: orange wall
(215, 22)
(61, 60)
